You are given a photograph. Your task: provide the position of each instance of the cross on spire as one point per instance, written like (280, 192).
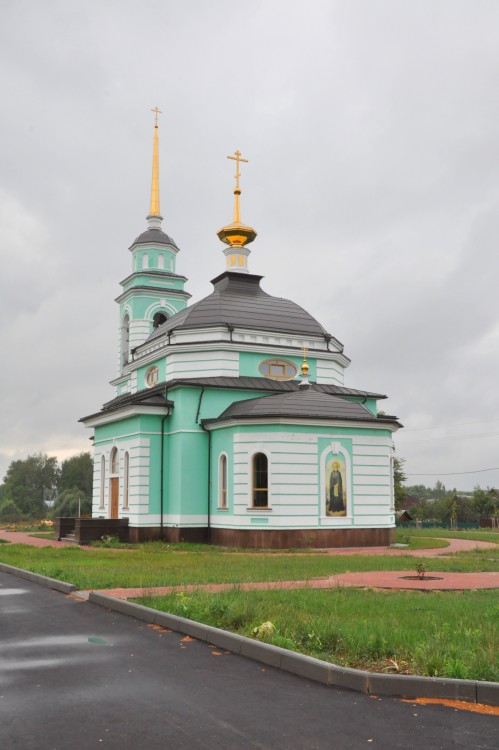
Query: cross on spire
(237, 158)
(156, 112)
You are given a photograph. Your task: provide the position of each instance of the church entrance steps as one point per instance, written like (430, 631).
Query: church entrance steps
(70, 537)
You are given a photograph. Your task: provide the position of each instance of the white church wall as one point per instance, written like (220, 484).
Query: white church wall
(329, 373)
(202, 363)
(295, 488)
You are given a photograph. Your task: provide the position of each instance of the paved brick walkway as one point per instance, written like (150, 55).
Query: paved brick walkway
(385, 579)
(22, 537)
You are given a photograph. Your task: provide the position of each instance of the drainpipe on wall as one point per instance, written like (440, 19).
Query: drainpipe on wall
(209, 462)
(161, 487)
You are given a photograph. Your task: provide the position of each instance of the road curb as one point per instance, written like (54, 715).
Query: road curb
(49, 583)
(396, 686)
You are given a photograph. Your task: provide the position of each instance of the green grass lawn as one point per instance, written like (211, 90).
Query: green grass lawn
(437, 634)
(157, 564)
(478, 535)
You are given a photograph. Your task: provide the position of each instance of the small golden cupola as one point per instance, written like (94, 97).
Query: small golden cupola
(304, 370)
(237, 235)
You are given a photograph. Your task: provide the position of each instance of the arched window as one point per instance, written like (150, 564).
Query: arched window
(260, 472)
(222, 482)
(115, 462)
(158, 319)
(126, 475)
(145, 260)
(102, 480)
(114, 484)
(125, 340)
(161, 261)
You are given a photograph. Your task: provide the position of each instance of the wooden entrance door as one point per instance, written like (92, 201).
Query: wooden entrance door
(115, 492)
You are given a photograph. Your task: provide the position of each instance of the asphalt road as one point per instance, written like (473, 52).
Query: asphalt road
(74, 676)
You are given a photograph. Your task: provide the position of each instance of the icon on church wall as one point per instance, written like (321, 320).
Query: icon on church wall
(336, 486)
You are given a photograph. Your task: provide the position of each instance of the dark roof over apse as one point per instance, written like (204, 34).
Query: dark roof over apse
(238, 300)
(303, 404)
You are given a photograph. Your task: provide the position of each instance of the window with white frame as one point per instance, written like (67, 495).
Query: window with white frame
(260, 480)
(102, 480)
(223, 482)
(126, 475)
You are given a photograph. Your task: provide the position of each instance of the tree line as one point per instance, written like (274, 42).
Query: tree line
(439, 503)
(38, 486)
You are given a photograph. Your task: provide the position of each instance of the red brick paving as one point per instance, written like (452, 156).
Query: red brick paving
(385, 579)
(23, 537)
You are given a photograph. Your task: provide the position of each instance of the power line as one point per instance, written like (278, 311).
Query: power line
(452, 473)
(455, 437)
(448, 426)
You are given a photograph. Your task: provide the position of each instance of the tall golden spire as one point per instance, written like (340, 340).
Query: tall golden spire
(154, 210)
(236, 234)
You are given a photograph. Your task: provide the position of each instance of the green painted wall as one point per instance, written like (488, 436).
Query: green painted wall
(249, 361)
(186, 446)
(144, 279)
(140, 302)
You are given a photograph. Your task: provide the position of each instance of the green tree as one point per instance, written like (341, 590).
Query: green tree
(70, 503)
(483, 501)
(27, 482)
(77, 472)
(399, 478)
(9, 512)
(439, 490)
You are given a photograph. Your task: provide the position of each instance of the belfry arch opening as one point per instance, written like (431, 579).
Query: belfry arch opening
(159, 319)
(125, 340)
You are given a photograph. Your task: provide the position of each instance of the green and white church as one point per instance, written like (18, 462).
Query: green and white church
(231, 422)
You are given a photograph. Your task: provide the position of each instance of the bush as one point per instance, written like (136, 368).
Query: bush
(9, 512)
(69, 502)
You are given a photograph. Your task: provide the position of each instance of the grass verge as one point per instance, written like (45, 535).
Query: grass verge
(480, 535)
(434, 634)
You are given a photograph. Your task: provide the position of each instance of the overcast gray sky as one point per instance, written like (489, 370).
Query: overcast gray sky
(372, 130)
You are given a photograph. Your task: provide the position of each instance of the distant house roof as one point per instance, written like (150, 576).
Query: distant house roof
(403, 515)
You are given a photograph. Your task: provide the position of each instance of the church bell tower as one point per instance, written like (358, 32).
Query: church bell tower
(153, 291)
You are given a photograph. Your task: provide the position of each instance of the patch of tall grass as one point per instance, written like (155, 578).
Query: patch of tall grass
(435, 634)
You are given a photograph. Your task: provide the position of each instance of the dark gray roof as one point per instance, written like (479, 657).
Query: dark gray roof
(156, 396)
(247, 383)
(238, 300)
(146, 397)
(153, 235)
(304, 404)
